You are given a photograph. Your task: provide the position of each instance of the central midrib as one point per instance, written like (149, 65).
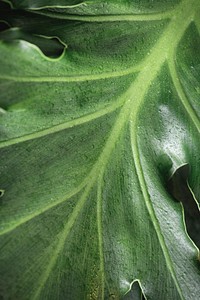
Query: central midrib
(135, 95)
(132, 106)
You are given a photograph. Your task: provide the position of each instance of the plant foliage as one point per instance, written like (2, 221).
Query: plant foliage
(99, 107)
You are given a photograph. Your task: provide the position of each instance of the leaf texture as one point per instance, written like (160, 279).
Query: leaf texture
(88, 141)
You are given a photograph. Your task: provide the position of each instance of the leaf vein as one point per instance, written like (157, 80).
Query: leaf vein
(100, 236)
(149, 206)
(179, 89)
(62, 239)
(73, 78)
(114, 18)
(69, 124)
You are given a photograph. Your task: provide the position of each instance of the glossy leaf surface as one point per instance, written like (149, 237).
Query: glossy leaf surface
(88, 142)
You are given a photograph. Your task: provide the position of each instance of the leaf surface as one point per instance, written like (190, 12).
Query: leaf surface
(88, 142)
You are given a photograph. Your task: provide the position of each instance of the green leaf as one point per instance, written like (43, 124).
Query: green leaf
(88, 142)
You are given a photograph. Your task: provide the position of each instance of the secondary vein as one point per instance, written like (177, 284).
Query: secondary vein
(72, 78)
(61, 240)
(112, 18)
(50, 205)
(182, 96)
(100, 235)
(69, 124)
(149, 206)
